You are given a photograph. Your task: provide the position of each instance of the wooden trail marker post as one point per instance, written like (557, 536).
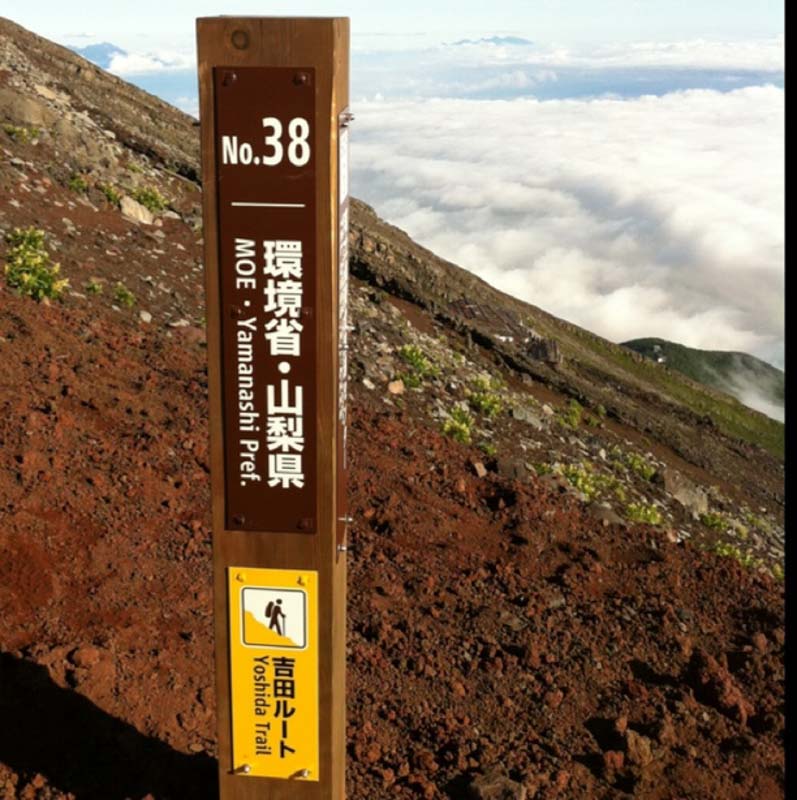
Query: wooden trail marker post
(273, 107)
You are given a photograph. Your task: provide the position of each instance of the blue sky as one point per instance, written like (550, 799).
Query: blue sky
(622, 168)
(580, 48)
(567, 21)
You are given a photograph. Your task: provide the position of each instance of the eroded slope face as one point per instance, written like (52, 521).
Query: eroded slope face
(42, 73)
(577, 595)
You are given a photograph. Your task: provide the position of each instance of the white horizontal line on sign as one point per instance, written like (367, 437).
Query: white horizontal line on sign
(270, 205)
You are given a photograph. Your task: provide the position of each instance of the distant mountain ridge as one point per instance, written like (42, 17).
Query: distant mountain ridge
(752, 381)
(101, 54)
(504, 40)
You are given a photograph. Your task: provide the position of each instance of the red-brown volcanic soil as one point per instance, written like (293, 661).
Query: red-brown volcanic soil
(494, 626)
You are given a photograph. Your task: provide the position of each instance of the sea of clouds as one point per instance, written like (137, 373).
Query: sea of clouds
(653, 216)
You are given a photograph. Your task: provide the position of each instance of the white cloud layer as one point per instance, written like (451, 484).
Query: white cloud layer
(125, 64)
(654, 216)
(491, 69)
(753, 54)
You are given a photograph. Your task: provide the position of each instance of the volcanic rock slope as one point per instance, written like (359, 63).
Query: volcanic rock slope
(565, 577)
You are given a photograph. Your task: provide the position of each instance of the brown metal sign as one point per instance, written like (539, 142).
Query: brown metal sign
(266, 178)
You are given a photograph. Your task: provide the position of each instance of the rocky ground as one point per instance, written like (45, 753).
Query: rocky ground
(495, 624)
(564, 583)
(504, 633)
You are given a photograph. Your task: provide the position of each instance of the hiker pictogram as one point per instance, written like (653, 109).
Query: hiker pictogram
(274, 617)
(273, 613)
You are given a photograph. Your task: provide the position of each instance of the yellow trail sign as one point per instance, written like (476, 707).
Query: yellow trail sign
(274, 672)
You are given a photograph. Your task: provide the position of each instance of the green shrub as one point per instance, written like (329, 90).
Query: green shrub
(416, 359)
(77, 183)
(640, 465)
(488, 448)
(714, 520)
(486, 403)
(642, 512)
(778, 573)
(571, 416)
(483, 399)
(111, 195)
(633, 461)
(759, 522)
(410, 380)
(28, 267)
(123, 295)
(485, 383)
(459, 425)
(150, 198)
(746, 559)
(583, 477)
(742, 531)
(420, 367)
(20, 134)
(93, 286)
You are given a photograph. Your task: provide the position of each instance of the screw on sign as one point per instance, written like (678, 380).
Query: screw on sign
(274, 124)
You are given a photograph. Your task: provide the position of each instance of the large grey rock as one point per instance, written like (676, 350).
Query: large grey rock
(495, 786)
(25, 110)
(688, 494)
(479, 469)
(133, 210)
(546, 350)
(526, 415)
(46, 92)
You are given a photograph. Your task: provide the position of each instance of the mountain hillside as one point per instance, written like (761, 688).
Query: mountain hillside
(565, 563)
(751, 380)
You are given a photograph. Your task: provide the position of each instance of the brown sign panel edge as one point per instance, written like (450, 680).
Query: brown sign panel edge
(268, 274)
